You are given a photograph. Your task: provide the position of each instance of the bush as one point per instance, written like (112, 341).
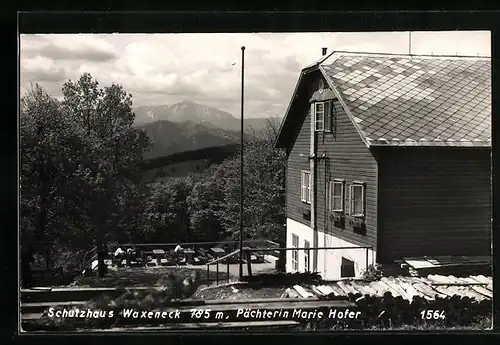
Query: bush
(372, 273)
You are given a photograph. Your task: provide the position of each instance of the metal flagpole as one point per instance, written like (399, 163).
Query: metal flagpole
(241, 160)
(409, 43)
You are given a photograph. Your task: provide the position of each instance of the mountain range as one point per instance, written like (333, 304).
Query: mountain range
(197, 113)
(187, 126)
(169, 137)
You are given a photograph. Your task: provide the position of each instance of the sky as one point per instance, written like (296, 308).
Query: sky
(162, 69)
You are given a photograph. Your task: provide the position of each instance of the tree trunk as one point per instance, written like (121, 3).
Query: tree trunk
(101, 264)
(101, 253)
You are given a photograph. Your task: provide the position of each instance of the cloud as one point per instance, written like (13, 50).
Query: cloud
(40, 69)
(81, 53)
(206, 68)
(70, 48)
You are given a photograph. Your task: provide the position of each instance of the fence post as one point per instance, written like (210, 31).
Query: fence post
(208, 275)
(227, 272)
(248, 256)
(217, 274)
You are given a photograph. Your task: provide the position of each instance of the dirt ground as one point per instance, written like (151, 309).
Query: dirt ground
(154, 276)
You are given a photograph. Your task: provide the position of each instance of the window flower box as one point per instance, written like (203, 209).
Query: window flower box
(357, 224)
(338, 219)
(306, 212)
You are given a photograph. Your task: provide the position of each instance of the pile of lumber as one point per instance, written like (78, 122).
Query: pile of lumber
(402, 299)
(444, 265)
(429, 288)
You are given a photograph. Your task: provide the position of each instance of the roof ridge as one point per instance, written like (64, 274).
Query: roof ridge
(402, 55)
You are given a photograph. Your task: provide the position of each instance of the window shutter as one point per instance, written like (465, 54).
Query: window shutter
(328, 116)
(313, 116)
(310, 188)
(364, 199)
(302, 194)
(329, 195)
(333, 118)
(348, 200)
(344, 191)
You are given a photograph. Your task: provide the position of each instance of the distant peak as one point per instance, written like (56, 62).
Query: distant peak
(186, 102)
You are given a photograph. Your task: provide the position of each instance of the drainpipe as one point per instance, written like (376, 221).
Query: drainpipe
(327, 213)
(312, 167)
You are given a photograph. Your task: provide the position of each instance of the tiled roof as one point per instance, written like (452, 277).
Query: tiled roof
(414, 101)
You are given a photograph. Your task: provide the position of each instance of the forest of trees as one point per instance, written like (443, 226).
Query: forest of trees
(81, 182)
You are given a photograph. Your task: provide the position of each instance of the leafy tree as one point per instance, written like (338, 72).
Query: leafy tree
(80, 176)
(264, 192)
(166, 210)
(205, 204)
(115, 150)
(52, 147)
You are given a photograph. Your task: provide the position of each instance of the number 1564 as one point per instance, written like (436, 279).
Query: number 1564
(430, 314)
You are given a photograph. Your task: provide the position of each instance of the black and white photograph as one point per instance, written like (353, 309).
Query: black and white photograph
(322, 181)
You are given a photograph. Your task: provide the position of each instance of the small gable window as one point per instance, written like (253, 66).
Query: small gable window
(322, 115)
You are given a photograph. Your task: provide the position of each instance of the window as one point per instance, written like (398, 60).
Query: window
(295, 253)
(305, 187)
(347, 268)
(319, 116)
(337, 195)
(358, 199)
(322, 116)
(306, 256)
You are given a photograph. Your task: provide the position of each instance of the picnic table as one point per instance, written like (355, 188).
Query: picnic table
(218, 252)
(158, 254)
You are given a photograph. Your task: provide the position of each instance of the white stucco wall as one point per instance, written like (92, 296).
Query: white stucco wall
(329, 261)
(305, 234)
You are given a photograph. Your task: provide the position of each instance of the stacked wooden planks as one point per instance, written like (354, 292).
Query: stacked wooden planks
(406, 300)
(443, 265)
(429, 288)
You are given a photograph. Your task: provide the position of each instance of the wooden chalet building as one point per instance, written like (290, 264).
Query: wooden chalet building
(390, 152)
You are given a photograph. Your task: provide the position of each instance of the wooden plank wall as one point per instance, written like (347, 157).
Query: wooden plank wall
(434, 201)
